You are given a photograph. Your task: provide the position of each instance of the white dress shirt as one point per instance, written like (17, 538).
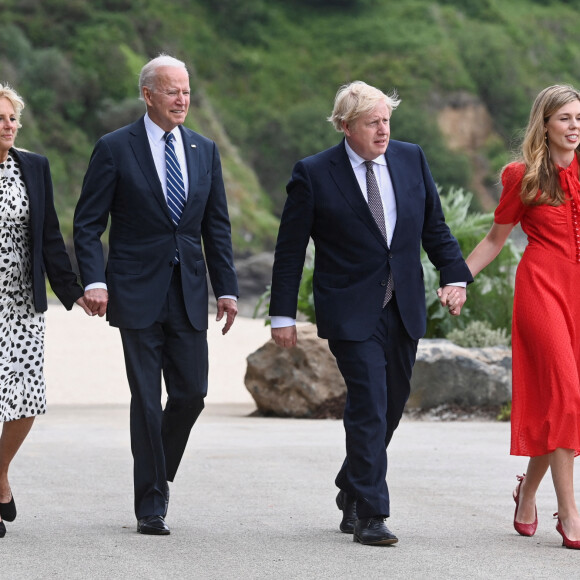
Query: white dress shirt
(157, 144)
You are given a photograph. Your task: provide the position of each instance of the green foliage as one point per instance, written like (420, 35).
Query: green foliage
(505, 412)
(270, 70)
(305, 295)
(479, 334)
(490, 298)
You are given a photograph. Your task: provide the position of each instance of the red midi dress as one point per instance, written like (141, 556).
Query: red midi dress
(546, 318)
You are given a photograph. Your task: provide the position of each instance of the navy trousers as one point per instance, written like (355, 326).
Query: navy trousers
(171, 347)
(377, 372)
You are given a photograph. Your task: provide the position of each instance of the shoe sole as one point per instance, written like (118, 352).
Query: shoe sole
(385, 542)
(155, 533)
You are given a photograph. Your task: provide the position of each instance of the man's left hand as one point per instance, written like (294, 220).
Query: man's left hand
(453, 297)
(229, 307)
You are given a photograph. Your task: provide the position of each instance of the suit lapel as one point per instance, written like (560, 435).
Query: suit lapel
(190, 147)
(398, 173)
(140, 145)
(345, 179)
(31, 178)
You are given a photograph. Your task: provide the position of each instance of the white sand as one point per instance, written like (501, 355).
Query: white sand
(84, 359)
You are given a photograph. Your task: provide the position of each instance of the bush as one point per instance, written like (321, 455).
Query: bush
(490, 298)
(479, 334)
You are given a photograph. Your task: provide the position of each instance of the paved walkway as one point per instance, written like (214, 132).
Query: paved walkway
(254, 499)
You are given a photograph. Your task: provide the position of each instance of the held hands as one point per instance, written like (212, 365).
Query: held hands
(229, 307)
(81, 303)
(95, 301)
(285, 336)
(453, 297)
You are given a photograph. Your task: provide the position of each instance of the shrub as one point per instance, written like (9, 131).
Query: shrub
(490, 298)
(479, 334)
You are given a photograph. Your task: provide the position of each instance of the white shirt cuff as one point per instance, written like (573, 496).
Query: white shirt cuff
(282, 321)
(95, 285)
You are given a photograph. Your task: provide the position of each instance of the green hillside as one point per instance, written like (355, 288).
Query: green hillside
(264, 74)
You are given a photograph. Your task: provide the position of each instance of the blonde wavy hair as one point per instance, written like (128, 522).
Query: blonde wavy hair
(7, 92)
(541, 173)
(356, 99)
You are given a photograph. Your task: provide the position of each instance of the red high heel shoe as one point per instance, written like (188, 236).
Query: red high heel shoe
(572, 544)
(523, 529)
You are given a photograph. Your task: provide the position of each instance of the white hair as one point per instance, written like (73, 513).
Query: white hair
(148, 75)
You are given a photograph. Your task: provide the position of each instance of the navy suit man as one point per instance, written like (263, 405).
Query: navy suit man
(161, 186)
(368, 204)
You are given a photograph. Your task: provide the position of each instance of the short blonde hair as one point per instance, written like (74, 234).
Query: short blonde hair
(356, 99)
(7, 92)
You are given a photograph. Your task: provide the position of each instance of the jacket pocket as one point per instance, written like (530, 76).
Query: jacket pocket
(200, 268)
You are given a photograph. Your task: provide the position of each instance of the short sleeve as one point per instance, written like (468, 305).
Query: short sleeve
(510, 208)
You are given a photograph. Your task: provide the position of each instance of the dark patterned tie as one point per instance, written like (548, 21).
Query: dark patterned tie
(376, 207)
(175, 187)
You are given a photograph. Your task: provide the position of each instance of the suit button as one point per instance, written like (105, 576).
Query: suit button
(383, 283)
(390, 255)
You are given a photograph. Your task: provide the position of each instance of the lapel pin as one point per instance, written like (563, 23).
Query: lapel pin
(193, 146)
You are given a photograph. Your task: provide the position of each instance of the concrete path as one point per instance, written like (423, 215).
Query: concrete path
(254, 498)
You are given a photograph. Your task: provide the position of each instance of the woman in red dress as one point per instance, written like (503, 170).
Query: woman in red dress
(542, 193)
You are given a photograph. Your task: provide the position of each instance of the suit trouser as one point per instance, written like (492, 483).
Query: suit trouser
(377, 372)
(172, 347)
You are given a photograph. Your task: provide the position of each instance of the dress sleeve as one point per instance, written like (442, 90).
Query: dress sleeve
(510, 208)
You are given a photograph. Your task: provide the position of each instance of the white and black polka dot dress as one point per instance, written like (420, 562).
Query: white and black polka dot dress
(22, 387)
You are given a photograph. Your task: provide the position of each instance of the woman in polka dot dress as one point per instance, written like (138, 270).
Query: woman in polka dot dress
(30, 246)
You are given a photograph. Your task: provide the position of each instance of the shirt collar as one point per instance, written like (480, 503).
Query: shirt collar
(155, 132)
(357, 160)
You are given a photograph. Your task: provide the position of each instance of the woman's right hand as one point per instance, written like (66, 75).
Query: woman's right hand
(81, 302)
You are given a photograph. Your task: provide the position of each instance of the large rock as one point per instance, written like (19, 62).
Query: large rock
(305, 381)
(294, 382)
(447, 374)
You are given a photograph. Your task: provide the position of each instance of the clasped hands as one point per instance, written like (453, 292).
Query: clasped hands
(452, 297)
(94, 302)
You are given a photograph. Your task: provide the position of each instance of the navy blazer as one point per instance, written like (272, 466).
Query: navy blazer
(121, 182)
(49, 254)
(352, 259)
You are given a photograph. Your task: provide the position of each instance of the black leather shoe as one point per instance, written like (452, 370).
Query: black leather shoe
(347, 504)
(153, 526)
(373, 532)
(2, 530)
(8, 510)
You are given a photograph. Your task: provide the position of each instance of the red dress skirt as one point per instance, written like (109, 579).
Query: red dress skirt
(546, 319)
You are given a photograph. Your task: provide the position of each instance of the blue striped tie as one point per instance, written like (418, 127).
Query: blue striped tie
(175, 187)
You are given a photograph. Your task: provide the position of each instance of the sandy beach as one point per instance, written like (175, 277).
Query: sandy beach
(84, 359)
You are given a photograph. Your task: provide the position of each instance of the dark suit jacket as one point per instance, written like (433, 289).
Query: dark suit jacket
(352, 259)
(48, 250)
(121, 182)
